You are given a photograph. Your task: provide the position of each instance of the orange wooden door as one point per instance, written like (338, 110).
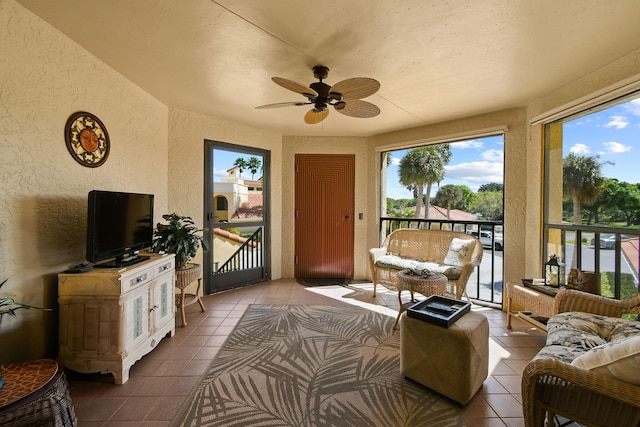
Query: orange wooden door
(324, 207)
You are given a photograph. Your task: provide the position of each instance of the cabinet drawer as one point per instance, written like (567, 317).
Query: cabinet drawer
(138, 279)
(165, 266)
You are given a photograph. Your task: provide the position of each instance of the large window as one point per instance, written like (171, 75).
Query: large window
(592, 193)
(457, 186)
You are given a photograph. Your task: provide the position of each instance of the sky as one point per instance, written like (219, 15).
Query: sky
(223, 160)
(473, 163)
(613, 134)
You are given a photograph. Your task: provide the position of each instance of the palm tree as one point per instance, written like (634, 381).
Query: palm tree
(424, 166)
(410, 175)
(242, 164)
(582, 183)
(448, 195)
(253, 165)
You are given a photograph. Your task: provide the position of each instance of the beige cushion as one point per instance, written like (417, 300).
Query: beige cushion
(619, 359)
(459, 252)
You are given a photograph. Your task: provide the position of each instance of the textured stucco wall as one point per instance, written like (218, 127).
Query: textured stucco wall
(293, 145)
(187, 135)
(44, 78)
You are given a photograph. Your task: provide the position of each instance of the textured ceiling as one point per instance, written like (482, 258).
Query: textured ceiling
(435, 61)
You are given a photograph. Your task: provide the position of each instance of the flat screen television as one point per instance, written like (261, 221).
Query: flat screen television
(119, 225)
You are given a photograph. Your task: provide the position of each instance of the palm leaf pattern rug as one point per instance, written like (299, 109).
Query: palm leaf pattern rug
(313, 366)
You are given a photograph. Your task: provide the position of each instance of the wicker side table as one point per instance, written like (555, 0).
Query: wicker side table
(36, 393)
(533, 301)
(184, 277)
(435, 284)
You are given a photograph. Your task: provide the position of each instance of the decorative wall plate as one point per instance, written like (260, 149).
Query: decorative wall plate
(87, 139)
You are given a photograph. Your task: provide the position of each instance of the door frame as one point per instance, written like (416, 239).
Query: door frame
(241, 277)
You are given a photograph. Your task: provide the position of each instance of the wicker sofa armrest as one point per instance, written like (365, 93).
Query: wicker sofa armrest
(582, 395)
(572, 300)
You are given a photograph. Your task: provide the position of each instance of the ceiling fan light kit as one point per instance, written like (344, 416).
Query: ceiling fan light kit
(345, 96)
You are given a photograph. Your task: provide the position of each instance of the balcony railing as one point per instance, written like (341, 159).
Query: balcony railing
(247, 256)
(486, 284)
(610, 251)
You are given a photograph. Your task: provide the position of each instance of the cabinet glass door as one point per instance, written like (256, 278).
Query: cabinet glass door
(136, 312)
(163, 300)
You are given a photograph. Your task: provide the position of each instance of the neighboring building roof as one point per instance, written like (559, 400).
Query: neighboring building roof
(437, 212)
(252, 208)
(231, 236)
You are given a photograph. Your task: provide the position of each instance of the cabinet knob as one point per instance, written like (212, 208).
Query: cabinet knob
(155, 307)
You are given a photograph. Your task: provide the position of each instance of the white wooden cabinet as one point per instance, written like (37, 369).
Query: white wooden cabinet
(110, 318)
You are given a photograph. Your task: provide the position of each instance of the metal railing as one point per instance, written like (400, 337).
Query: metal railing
(610, 251)
(486, 283)
(248, 255)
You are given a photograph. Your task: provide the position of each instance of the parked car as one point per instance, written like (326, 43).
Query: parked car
(486, 237)
(608, 241)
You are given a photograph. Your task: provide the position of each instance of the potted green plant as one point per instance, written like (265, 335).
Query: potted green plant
(179, 236)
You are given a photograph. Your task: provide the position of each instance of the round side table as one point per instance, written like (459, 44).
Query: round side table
(184, 277)
(435, 284)
(35, 393)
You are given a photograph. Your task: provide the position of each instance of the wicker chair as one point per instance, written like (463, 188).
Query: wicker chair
(424, 245)
(551, 386)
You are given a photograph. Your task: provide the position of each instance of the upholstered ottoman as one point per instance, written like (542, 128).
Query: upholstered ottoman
(453, 361)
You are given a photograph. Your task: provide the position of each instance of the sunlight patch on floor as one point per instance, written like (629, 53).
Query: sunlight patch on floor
(360, 295)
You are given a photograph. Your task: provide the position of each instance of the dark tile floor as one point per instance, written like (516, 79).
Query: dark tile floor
(161, 381)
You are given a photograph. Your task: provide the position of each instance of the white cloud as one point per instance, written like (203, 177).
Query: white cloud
(618, 122)
(472, 143)
(633, 107)
(395, 161)
(616, 147)
(220, 172)
(493, 155)
(580, 149)
(476, 172)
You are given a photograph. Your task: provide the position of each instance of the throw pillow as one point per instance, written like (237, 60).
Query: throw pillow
(619, 359)
(458, 251)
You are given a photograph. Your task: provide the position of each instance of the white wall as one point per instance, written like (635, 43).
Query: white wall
(44, 78)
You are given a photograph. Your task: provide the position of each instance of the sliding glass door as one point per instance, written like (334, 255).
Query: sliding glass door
(236, 216)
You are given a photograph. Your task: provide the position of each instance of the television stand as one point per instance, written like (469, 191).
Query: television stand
(120, 262)
(109, 319)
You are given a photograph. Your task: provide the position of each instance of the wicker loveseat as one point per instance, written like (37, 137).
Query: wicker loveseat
(588, 371)
(452, 253)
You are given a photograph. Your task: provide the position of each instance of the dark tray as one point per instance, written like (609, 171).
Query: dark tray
(439, 310)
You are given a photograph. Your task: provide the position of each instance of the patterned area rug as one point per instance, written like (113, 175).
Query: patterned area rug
(313, 366)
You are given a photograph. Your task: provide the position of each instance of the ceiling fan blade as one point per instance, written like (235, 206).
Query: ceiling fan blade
(295, 86)
(356, 88)
(312, 117)
(358, 108)
(282, 104)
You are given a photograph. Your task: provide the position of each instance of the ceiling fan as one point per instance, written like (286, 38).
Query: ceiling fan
(345, 96)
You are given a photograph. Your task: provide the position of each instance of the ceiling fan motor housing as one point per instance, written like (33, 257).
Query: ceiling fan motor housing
(320, 72)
